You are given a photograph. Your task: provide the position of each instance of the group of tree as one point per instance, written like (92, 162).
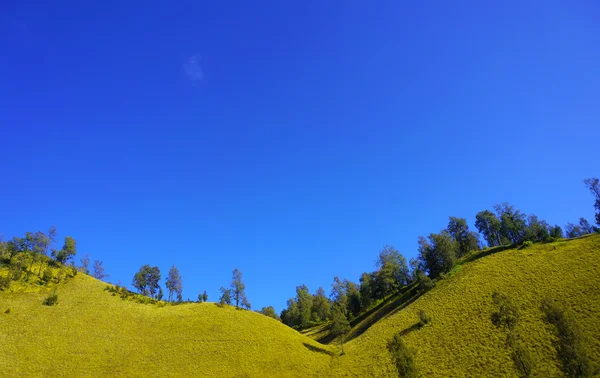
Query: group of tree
(437, 255)
(34, 251)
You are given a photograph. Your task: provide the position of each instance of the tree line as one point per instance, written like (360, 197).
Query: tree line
(437, 255)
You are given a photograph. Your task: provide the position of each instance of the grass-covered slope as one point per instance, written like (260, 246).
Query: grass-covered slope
(461, 339)
(92, 333)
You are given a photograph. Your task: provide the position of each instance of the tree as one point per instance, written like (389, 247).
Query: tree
(513, 224)
(366, 290)
(392, 271)
(173, 283)
(586, 228)
(238, 290)
(321, 308)
(146, 280)
(338, 294)
(573, 231)
(99, 270)
(67, 252)
(467, 240)
(202, 297)
(340, 325)
(290, 316)
(225, 298)
(593, 184)
(353, 298)
(537, 230)
(305, 303)
(488, 225)
(438, 255)
(556, 232)
(270, 312)
(160, 294)
(85, 264)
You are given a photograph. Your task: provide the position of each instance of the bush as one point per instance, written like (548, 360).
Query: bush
(569, 346)
(425, 283)
(4, 283)
(7, 311)
(403, 357)
(507, 314)
(47, 276)
(51, 300)
(423, 318)
(527, 244)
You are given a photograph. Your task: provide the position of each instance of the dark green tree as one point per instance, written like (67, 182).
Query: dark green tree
(513, 223)
(270, 312)
(340, 325)
(338, 294)
(537, 230)
(225, 298)
(467, 240)
(556, 232)
(366, 290)
(290, 316)
(146, 280)
(174, 282)
(438, 255)
(392, 271)
(353, 294)
(67, 252)
(305, 305)
(321, 308)
(489, 225)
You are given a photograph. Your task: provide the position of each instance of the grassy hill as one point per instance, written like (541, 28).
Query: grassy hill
(92, 333)
(461, 339)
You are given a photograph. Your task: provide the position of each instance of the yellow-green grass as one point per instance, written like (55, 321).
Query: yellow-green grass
(92, 333)
(461, 340)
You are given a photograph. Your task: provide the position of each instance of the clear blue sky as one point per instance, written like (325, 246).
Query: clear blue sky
(289, 139)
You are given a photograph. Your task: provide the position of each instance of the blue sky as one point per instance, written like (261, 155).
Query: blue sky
(289, 139)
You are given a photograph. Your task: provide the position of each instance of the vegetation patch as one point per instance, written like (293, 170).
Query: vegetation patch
(569, 346)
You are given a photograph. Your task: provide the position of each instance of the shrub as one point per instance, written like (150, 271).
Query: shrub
(570, 350)
(7, 311)
(47, 276)
(527, 244)
(403, 357)
(4, 283)
(522, 361)
(507, 314)
(423, 318)
(425, 283)
(519, 355)
(51, 300)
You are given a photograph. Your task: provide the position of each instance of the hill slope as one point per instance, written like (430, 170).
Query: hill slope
(461, 339)
(91, 333)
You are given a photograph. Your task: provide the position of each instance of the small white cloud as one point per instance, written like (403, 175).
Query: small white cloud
(193, 69)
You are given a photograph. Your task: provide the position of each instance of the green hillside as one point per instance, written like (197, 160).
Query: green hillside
(461, 340)
(93, 333)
